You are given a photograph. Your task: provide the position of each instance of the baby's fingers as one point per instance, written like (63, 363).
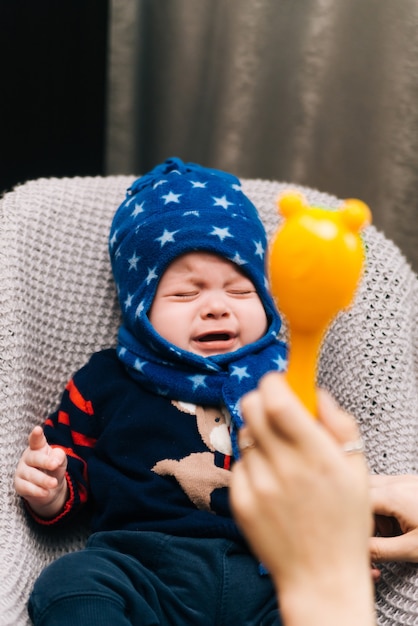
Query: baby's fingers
(47, 459)
(57, 459)
(37, 439)
(31, 482)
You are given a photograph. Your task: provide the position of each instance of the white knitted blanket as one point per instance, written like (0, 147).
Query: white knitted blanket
(58, 305)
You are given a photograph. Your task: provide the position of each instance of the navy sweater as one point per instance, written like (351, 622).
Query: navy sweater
(146, 462)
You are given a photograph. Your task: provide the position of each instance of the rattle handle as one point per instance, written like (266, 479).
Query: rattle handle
(302, 367)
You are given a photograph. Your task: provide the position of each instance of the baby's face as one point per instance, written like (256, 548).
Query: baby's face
(205, 305)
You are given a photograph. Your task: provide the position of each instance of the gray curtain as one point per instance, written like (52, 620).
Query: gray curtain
(318, 92)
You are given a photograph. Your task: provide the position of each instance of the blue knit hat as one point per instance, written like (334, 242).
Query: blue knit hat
(175, 209)
(178, 208)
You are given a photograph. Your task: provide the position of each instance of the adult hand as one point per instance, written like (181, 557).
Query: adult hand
(395, 504)
(304, 506)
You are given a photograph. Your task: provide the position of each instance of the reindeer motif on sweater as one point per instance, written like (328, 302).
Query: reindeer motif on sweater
(214, 430)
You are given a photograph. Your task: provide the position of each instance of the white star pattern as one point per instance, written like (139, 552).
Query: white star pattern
(198, 185)
(131, 199)
(139, 309)
(133, 262)
(223, 202)
(280, 363)
(114, 238)
(128, 302)
(241, 372)
(238, 260)
(166, 237)
(222, 233)
(237, 408)
(198, 381)
(196, 213)
(160, 182)
(236, 187)
(172, 197)
(139, 365)
(152, 275)
(139, 208)
(259, 250)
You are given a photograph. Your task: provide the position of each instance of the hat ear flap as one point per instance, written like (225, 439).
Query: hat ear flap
(355, 214)
(290, 203)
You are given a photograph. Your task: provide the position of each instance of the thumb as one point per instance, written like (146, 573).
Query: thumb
(37, 439)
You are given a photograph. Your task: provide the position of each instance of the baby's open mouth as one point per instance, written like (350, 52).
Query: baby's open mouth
(214, 337)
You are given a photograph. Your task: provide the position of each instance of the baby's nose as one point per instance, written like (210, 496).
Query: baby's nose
(215, 307)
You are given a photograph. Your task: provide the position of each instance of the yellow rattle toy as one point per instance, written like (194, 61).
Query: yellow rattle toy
(315, 263)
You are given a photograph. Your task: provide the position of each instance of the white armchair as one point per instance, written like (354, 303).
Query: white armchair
(58, 305)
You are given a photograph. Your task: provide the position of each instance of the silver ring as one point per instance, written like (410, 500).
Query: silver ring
(353, 447)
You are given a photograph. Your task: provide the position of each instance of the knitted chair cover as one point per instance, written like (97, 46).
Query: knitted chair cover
(58, 305)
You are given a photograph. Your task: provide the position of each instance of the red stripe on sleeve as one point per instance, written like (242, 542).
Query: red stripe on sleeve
(78, 400)
(82, 493)
(63, 418)
(70, 452)
(81, 440)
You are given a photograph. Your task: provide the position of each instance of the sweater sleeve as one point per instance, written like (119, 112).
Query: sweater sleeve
(73, 427)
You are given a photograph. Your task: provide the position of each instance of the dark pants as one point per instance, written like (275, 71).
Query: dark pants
(148, 579)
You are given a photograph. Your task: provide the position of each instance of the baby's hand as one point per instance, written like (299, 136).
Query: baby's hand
(40, 475)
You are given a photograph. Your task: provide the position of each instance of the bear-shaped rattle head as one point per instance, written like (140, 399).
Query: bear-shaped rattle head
(316, 259)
